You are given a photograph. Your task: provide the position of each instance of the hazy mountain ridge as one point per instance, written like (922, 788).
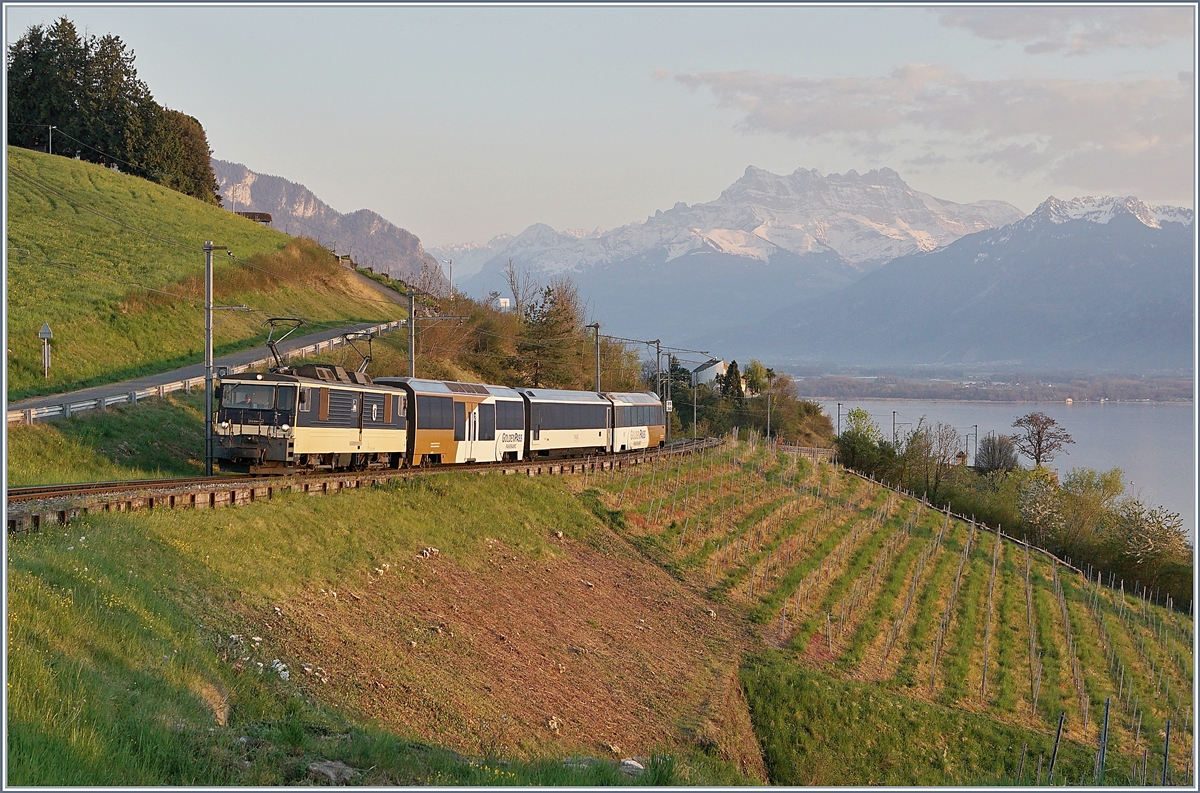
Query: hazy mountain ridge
(371, 239)
(1097, 283)
(866, 219)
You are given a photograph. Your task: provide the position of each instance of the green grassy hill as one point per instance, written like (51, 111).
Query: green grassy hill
(86, 243)
(745, 613)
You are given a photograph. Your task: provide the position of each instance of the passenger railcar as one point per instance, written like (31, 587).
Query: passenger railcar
(638, 421)
(316, 417)
(565, 422)
(456, 422)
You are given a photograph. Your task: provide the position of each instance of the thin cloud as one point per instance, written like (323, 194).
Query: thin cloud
(1081, 131)
(1073, 31)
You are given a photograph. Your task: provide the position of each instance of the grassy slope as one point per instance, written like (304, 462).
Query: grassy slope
(107, 331)
(128, 672)
(507, 634)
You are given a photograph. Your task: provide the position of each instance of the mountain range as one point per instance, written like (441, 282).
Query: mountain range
(767, 241)
(1096, 284)
(368, 237)
(846, 269)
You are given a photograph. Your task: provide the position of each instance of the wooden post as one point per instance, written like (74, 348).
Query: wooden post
(1166, 749)
(1062, 716)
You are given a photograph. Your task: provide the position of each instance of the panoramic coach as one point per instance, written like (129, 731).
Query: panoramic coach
(638, 421)
(454, 422)
(560, 422)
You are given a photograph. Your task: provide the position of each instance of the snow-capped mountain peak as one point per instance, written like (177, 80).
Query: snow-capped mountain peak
(866, 219)
(1102, 209)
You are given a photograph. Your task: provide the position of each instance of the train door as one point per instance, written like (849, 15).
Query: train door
(359, 406)
(462, 445)
(473, 435)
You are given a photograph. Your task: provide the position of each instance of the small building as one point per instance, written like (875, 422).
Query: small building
(960, 458)
(707, 372)
(257, 217)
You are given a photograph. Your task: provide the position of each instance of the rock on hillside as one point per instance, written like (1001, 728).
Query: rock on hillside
(370, 238)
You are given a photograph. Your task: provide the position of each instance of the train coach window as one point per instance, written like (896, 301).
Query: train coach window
(460, 421)
(435, 413)
(510, 415)
(245, 395)
(487, 422)
(286, 399)
(305, 399)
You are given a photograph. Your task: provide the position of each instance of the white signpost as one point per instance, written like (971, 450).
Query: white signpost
(45, 335)
(669, 406)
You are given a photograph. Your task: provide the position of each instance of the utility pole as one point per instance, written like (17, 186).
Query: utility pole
(695, 388)
(893, 429)
(839, 428)
(670, 366)
(208, 354)
(768, 410)
(50, 142)
(658, 367)
(451, 263)
(975, 456)
(412, 333)
(596, 326)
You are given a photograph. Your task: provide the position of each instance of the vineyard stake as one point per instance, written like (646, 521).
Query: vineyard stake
(1062, 716)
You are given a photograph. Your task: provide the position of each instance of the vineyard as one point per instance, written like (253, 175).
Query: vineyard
(851, 580)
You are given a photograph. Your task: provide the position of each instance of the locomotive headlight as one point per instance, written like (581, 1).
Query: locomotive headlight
(224, 425)
(285, 427)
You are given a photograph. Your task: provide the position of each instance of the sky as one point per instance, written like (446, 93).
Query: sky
(461, 123)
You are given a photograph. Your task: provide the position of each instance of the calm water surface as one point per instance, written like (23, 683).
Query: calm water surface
(1153, 443)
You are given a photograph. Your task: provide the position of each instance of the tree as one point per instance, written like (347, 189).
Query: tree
(1088, 503)
(1039, 506)
(523, 287)
(1040, 437)
(88, 89)
(731, 385)
(858, 445)
(546, 338)
(757, 377)
(996, 453)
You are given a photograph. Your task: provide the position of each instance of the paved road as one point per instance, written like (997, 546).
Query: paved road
(188, 372)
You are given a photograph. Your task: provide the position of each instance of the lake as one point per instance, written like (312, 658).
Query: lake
(1152, 442)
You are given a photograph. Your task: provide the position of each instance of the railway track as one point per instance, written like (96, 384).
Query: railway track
(30, 508)
(18, 495)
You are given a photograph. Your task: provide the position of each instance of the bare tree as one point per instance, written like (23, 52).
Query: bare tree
(430, 280)
(996, 453)
(1040, 437)
(945, 446)
(523, 286)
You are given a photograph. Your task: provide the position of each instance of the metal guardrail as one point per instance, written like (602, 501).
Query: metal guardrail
(68, 409)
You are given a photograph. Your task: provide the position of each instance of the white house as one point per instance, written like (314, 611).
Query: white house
(707, 372)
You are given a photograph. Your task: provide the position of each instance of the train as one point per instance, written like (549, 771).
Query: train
(320, 417)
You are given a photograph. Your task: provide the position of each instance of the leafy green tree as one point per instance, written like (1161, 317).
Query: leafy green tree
(757, 377)
(1040, 507)
(731, 385)
(858, 445)
(89, 90)
(546, 340)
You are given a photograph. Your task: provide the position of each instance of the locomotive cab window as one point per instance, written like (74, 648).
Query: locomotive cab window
(286, 399)
(252, 397)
